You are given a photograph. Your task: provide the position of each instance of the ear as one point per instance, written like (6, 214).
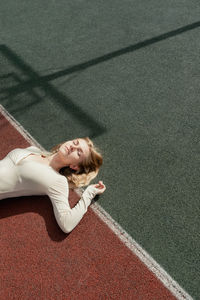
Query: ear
(74, 167)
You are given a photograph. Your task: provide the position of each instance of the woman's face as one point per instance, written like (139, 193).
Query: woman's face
(74, 152)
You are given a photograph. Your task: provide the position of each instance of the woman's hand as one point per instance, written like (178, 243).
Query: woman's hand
(100, 187)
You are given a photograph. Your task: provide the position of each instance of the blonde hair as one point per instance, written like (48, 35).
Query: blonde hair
(88, 169)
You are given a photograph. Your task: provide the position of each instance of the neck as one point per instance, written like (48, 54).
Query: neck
(55, 162)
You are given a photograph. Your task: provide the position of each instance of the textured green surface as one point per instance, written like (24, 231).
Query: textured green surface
(127, 74)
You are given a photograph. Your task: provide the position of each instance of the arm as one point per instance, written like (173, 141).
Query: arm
(66, 217)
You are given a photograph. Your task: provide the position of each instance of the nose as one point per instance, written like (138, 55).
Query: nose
(72, 148)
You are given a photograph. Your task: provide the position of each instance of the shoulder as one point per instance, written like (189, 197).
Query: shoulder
(59, 185)
(33, 149)
(18, 154)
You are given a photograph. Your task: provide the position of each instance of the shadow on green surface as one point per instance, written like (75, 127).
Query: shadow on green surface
(13, 77)
(65, 102)
(41, 80)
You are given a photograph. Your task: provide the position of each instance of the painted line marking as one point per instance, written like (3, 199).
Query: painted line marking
(130, 243)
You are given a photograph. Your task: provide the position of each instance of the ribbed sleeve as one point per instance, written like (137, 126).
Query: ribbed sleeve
(66, 217)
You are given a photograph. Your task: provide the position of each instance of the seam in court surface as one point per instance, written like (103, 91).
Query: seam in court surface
(136, 249)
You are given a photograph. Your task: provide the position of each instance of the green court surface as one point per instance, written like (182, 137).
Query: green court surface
(127, 75)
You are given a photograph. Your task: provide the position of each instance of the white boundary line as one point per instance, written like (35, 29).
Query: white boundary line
(151, 264)
(19, 128)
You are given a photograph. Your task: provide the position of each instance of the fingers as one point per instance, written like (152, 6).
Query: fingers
(100, 185)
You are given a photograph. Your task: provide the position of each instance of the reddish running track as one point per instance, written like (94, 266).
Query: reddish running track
(39, 261)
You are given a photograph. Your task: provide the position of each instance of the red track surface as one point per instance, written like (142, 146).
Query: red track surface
(39, 261)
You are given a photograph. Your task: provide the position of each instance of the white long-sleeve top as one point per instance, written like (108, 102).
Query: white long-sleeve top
(19, 177)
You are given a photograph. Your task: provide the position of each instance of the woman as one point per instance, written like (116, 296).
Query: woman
(71, 164)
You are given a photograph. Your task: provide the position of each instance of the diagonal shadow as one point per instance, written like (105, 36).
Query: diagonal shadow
(82, 116)
(41, 80)
(40, 205)
(14, 77)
